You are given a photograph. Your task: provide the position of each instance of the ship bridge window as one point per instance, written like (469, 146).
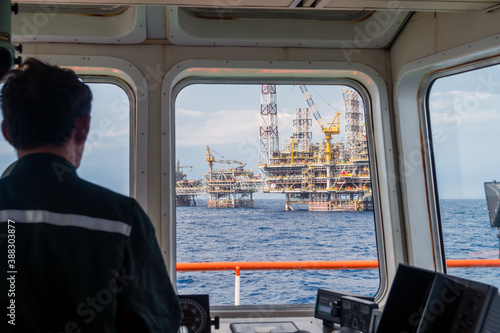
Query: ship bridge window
(464, 118)
(106, 156)
(273, 184)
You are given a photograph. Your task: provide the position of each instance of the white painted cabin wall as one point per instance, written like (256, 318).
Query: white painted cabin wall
(431, 33)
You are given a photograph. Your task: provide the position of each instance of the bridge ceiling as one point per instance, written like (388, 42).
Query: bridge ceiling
(409, 5)
(347, 25)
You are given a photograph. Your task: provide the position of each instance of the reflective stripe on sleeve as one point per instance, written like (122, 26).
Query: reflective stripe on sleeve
(65, 220)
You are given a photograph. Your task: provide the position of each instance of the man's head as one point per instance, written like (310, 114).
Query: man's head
(45, 106)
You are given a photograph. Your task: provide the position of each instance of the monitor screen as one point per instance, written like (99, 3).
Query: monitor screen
(406, 300)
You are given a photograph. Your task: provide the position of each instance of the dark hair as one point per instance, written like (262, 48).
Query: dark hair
(40, 104)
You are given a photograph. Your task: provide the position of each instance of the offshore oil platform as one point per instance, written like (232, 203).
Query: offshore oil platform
(186, 190)
(232, 187)
(325, 176)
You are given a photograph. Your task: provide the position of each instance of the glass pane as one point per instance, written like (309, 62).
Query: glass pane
(106, 159)
(106, 155)
(464, 118)
(245, 154)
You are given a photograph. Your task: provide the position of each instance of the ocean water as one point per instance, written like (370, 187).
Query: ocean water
(467, 235)
(269, 233)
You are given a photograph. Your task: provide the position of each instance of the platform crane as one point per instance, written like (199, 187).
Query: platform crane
(211, 160)
(333, 129)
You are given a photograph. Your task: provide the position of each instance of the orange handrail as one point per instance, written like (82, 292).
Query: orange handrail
(302, 265)
(466, 263)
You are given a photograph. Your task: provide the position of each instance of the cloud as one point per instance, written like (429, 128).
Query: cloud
(463, 108)
(484, 117)
(180, 112)
(439, 102)
(219, 128)
(91, 147)
(108, 140)
(114, 134)
(222, 127)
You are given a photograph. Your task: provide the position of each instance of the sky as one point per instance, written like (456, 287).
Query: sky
(464, 120)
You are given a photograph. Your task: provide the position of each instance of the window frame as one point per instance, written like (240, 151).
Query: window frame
(360, 77)
(418, 177)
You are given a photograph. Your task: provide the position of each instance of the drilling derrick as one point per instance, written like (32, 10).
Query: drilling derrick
(302, 123)
(353, 127)
(268, 136)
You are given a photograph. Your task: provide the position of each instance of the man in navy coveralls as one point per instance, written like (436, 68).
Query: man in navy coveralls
(80, 258)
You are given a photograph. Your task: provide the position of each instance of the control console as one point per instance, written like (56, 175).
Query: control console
(343, 309)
